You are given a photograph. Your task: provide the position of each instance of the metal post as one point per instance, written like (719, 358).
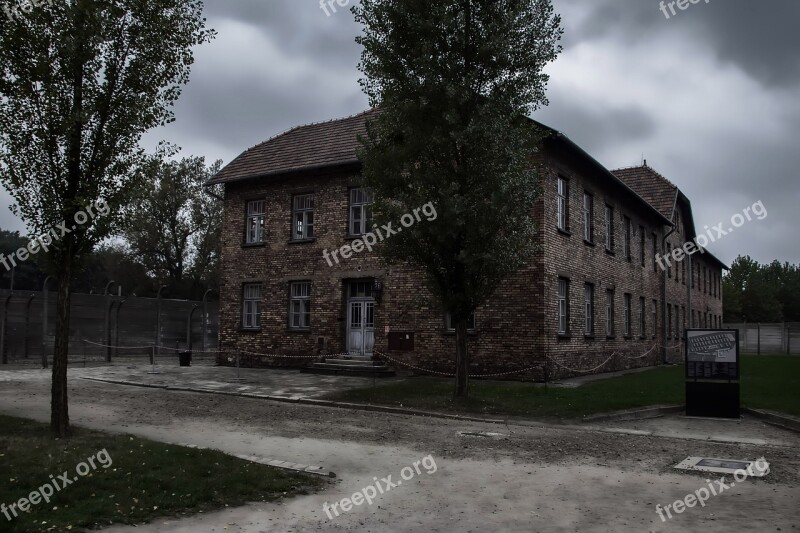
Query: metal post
(238, 367)
(189, 328)
(158, 318)
(759, 337)
(153, 359)
(27, 324)
(116, 327)
(205, 320)
(5, 324)
(45, 309)
(108, 302)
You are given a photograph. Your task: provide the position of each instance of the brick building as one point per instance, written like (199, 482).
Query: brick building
(593, 297)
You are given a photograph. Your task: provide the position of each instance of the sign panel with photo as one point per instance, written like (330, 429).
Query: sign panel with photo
(712, 354)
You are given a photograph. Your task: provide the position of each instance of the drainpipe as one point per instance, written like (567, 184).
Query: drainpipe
(664, 297)
(689, 290)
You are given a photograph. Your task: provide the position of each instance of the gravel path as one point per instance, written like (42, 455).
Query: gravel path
(525, 479)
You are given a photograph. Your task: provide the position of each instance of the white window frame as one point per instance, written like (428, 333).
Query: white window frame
(588, 309)
(303, 217)
(626, 301)
(562, 203)
(588, 217)
(300, 305)
(359, 213)
(251, 306)
(563, 306)
(255, 222)
(609, 228)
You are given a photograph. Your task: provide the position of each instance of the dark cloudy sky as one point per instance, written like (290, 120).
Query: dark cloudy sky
(710, 97)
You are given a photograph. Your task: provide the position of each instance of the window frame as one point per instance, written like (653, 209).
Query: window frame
(562, 306)
(588, 217)
(562, 204)
(627, 318)
(307, 228)
(451, 328)
(626, 240)
(610, 326)
(609, 228)
(588, 309)
(253, 310)
(364, 210)
(260, 223)
(303, 298)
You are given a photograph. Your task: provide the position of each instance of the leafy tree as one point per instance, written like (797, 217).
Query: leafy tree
(175, 230)
(27, 274)
(759, 293)
(80, 82)
(455, 82)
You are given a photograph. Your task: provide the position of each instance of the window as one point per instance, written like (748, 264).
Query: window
(669, 321)
(641, 244)
(626, 245)
(610, 313)
(609, 228)
(452, 327)
(360, 202)
(562, 205)
(563, 306)
(654, 327)
(642, 318)
(300, 305)
(256, 211)
(303, 217)
(588, 307)
(626, 298)
(588, 217)
(251, 310)
(655, 253)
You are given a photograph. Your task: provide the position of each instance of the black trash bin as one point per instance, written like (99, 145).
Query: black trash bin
(185, 358)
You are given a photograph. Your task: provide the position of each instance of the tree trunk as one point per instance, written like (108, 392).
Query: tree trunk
(59, 411)
(462, 360)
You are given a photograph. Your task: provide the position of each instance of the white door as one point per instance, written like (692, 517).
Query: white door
(360, 320)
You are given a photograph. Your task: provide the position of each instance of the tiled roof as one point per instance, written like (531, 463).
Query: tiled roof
(335, 143)
(656, 190)
(314, 145)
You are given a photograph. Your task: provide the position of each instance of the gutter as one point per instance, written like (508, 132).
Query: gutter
(664, 282)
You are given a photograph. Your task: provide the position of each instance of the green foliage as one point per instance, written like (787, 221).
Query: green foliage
(80, 82)
(454, 82)
(27, 275)
(175, 230)
(761, 293)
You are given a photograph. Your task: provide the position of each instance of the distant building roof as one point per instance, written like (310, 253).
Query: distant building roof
(657, 190)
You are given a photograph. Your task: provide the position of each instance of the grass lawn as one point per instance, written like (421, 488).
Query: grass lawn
(769, 382)
(145, 479)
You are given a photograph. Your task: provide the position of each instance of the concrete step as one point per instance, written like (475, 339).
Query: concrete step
(357, 361)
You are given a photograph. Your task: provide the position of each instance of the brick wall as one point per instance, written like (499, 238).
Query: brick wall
(516, 330)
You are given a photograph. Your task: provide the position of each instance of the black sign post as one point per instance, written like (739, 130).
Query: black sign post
(712, 372)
